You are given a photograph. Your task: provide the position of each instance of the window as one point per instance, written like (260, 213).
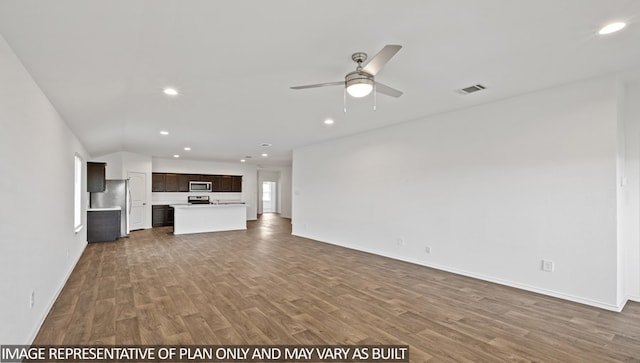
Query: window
(77, 194)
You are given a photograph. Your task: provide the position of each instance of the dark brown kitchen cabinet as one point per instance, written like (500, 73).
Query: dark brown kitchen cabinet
(96, 173)
(171, 183)
(183, 182)
(161, 215)
(225, 183)
(184, 179)
(170, 214)
(157, 182)
(215, 183)
(103, 225)
(157, 215)
(236, 184)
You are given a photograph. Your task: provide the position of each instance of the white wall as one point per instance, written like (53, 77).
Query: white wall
(249, 180)
(491, 190)
(114, 169)
(38, 245)
(119, 165)
(284, 192)
(630, 193)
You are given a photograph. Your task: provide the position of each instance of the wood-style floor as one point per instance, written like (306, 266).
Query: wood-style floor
(264, 286)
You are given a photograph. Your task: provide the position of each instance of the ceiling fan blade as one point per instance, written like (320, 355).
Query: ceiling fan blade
(379, 60)
(338, 83)
(386, 90)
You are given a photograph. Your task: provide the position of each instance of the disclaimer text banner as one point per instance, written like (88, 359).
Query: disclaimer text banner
(206, 353)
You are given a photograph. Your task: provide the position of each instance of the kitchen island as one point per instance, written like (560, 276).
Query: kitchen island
(200, 218)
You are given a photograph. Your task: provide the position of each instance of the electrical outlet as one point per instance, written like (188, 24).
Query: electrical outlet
(427, 249)
(32, 299)
(547, 265)
(400, 241)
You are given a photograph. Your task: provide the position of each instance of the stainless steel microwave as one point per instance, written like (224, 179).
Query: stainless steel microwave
(199, 186)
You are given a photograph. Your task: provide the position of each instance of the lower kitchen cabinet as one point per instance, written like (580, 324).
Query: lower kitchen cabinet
(103, 226)
(162, 215)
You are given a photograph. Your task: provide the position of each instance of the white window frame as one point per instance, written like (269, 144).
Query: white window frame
(77, 193)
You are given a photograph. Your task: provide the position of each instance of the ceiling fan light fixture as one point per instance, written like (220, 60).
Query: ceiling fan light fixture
(359, 90)
(359, 84)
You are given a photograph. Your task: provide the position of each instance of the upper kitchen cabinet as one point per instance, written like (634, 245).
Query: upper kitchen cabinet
(157, 182)
(184, 179)
(96, 173)
(236, 184)
(171, 183)
(164, 182)
(225, 183)
(183, 182)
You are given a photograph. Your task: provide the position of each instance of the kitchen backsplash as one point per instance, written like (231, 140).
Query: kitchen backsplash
(174, 197)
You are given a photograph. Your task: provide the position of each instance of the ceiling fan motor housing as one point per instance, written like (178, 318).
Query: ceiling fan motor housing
(358, 77)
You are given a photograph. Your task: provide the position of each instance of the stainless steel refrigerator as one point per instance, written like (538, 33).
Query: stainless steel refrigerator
(116, 194)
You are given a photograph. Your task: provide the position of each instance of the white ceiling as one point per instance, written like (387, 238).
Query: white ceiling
(103, 64)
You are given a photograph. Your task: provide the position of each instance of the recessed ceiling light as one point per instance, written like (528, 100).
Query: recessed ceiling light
(164, 132)
(265, 144)
(170, 91)
(242, 160)
(176, 156)
(187, 149)
(264, 155)
(328, 121)
(611, 28)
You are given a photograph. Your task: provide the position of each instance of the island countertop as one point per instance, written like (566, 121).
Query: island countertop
(211, 205)
(200, 218)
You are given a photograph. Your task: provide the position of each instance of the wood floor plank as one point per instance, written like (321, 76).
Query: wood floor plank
(148, 325)
(265, 286)
(199, 330)
(127, 332)
(125, 303)
(169, 316)
(104, 320)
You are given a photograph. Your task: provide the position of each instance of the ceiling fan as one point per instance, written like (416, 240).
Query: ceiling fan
(361, 82)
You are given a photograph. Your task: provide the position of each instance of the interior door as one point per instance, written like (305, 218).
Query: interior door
(138, 189)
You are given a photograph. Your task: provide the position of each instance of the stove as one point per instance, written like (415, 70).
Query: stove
(198, 199)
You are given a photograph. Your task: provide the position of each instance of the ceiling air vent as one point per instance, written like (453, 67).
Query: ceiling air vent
(471, 89)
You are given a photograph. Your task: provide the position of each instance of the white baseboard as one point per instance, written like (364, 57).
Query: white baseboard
(517, 285)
